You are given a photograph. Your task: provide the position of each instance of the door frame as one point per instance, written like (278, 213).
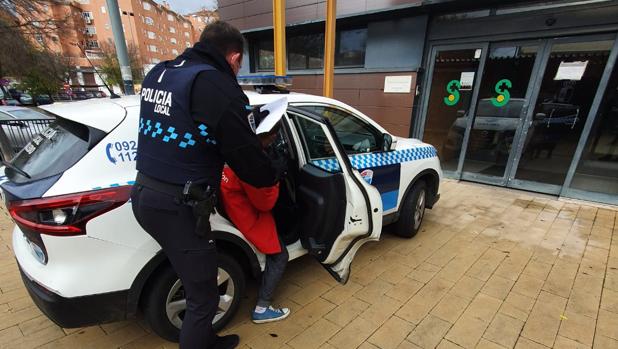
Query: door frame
(547, 188)
(502, 181)
(592, 115)
(428, 80)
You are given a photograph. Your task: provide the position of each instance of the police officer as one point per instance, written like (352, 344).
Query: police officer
(193, 118)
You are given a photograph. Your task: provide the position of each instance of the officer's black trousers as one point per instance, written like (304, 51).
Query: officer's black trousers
(194, 259)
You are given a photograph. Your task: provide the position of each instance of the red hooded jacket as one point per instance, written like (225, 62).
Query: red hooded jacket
(249, 209)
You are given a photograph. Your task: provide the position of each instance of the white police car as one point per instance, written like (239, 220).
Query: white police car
(85, 260)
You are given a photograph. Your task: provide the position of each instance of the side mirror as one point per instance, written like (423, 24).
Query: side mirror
(387, 142)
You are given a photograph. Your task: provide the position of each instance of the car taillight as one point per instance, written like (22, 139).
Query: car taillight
(66, 215)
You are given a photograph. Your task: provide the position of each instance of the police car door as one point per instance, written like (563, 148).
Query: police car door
(338, 210)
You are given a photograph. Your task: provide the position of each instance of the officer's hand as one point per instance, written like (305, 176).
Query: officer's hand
(259, 115)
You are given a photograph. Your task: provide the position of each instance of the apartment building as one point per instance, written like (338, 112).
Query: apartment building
(200, 20)
(157, 32)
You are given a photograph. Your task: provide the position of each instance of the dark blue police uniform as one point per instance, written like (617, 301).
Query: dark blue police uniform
(193, 119)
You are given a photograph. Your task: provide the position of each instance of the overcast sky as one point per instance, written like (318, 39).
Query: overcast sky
(186, 6)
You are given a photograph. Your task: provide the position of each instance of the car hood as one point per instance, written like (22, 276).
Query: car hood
(102, 114)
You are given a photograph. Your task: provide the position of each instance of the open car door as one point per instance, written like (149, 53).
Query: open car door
(339, 211)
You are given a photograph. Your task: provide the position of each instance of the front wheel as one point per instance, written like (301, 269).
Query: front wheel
(413, 211)
(165, 305)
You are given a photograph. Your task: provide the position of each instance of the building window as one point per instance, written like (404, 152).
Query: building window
(93, 54)
(188, 44)
(173, 41)
(155, 60)
(39, 38)
(152, 35)
(147, 6)
(148, 20)
(106, 26)
(186, 34)
(170, 17)
(103, 10)
(306, 51)
(185, 24)
(175, 52)
(199, 19)
(265, 54)
(90, 30)
(172, 30)
(88, 17)
(92, 44)
(351, 46)
(152, 48)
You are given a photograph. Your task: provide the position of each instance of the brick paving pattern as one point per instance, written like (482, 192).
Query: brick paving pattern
(491, 268)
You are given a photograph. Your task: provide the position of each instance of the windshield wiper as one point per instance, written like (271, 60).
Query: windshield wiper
(16, 169)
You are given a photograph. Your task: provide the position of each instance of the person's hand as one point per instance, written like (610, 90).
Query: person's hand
(259, 115)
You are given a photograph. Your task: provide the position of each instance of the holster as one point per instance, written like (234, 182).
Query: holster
(203, 200)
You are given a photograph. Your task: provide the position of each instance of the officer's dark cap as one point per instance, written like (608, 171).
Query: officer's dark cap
(224, 36)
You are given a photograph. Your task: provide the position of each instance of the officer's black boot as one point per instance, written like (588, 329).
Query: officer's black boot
(227, 342)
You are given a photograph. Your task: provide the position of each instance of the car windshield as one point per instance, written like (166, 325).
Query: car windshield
(510, 110)
(30, 114)
(52, 152)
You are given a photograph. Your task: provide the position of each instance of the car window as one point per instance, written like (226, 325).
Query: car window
(355, 135)
(29, 114)
(316, 145)
(52, 152)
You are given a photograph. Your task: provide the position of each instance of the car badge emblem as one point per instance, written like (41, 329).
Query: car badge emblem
(367, 176)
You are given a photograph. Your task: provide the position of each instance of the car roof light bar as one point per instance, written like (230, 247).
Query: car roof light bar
(265, 80)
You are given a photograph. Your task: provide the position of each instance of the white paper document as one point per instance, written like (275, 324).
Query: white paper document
(466, 80)
(276, 110)
(571, 70)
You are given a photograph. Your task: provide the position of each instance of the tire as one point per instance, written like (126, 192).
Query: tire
(413, 211)
(166, 289)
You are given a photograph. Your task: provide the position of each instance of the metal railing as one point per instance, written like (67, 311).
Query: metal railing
(16, 134)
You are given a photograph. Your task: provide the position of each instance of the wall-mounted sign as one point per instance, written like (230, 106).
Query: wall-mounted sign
(398, 84)
(571, 70)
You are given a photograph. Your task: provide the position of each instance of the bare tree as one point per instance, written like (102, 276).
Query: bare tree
(110, 67)
(31, 16)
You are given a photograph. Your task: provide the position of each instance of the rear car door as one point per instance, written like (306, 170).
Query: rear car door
(339, 211)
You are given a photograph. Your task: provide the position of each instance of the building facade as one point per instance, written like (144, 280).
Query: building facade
(200, 20)
(521, 94)
(155, 31)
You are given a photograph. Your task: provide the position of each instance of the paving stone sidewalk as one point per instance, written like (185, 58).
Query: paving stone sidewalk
(491, 268)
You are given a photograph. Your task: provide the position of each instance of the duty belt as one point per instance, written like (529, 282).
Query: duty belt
(175, 190)
(197, 195)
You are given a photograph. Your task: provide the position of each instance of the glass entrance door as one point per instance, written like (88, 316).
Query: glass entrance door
(451, 96)
(553, 129)
(500, 110)
(515, 114)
